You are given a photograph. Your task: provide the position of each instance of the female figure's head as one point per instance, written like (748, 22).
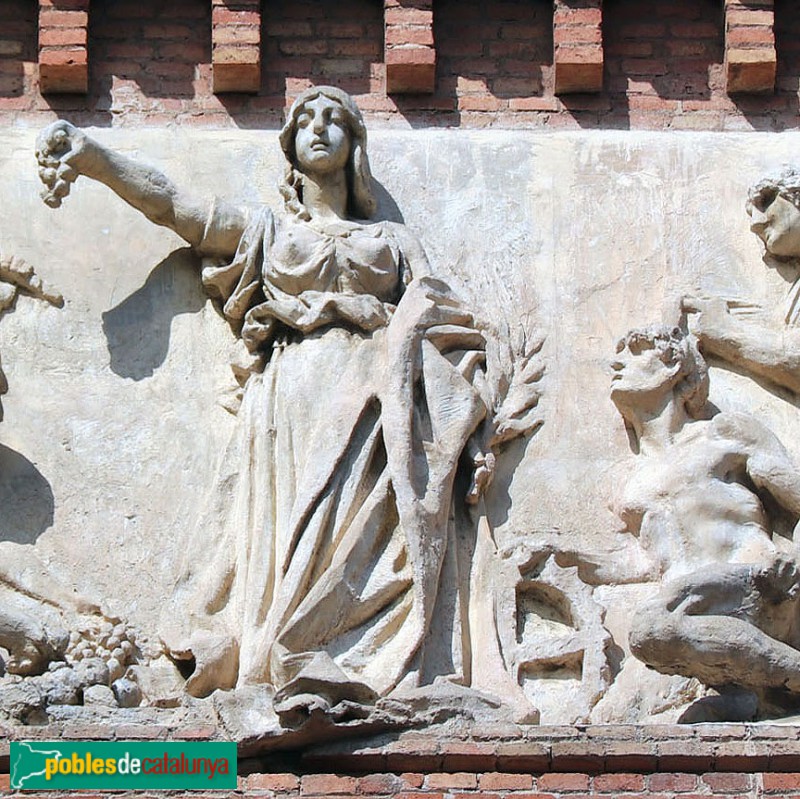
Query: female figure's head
(653, 362)
(774, 208)
(324, 132)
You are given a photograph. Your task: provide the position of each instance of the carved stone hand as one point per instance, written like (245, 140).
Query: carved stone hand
(779, 580)
(709, 317)
(63, 153)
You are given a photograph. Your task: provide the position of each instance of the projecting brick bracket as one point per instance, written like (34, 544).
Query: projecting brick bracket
(63, 46)
(236, 46)
(750, 71)
(750, 57)
(578, 46)
(410, 53)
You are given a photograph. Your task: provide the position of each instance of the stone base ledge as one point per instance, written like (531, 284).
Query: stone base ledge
(592, 749)
(595, 749)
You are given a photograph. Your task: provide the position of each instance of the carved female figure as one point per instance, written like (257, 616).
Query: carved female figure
(325, 545)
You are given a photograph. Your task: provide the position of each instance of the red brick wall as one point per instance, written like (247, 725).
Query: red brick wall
(665, 68)
(150, 62)
(344, 48)
(495, 58)
(737, 761)
(498, 785)
(18, 26)
(148, 59)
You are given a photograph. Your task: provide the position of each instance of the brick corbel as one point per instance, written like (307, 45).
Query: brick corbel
(750, 57)
(63, 46)
(236, 45)
(409, 50)
(578, 46)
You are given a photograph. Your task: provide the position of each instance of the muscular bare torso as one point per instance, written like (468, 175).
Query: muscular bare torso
(692, 504)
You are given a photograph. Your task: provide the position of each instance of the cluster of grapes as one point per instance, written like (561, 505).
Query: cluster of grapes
(53, 144)
(112, 642)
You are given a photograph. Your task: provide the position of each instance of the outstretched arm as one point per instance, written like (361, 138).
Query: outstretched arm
(767, 463)
(765, 351)
(64, 153)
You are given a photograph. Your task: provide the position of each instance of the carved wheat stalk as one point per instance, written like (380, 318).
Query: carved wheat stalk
(517, 387)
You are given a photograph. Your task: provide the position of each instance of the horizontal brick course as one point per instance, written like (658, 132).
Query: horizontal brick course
(279, 783)
(327, 784)
(494, 781)
(561, 783)
(236, 45)
(476, 62)
(782, 783)
(536, 783)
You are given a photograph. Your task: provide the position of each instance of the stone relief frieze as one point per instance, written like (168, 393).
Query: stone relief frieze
(60, 647)
(333, 572)
(17, 277)
(30, 637)
(726, 609)
(412, 502)
(761, 341)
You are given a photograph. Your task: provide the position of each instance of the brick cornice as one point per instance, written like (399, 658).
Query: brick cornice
(578, 46)
(409, 49)
(505, 748)
(63, 46)
(750, 56)
(236, 45)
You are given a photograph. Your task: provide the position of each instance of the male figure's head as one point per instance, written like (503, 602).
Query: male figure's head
(654, 364)
(774, 208)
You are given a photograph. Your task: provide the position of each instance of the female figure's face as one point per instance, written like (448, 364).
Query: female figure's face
(322, 137)
(776, 221)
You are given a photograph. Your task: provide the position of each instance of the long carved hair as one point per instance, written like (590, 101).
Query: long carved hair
(360, 199)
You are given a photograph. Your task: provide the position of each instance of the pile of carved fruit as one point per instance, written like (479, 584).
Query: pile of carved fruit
(109, 641)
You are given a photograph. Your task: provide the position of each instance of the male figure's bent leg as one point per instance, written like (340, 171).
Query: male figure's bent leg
(702, 626)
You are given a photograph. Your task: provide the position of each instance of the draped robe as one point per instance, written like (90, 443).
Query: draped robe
(330, 530)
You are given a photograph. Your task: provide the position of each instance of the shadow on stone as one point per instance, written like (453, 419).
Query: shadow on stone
(499, 493)
(137, 330)
(26, 499)
(387, 208)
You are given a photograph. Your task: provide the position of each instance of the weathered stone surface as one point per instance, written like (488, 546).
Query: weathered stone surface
(346, 583)
(725, 612)
(99, 695)
(554, 245)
